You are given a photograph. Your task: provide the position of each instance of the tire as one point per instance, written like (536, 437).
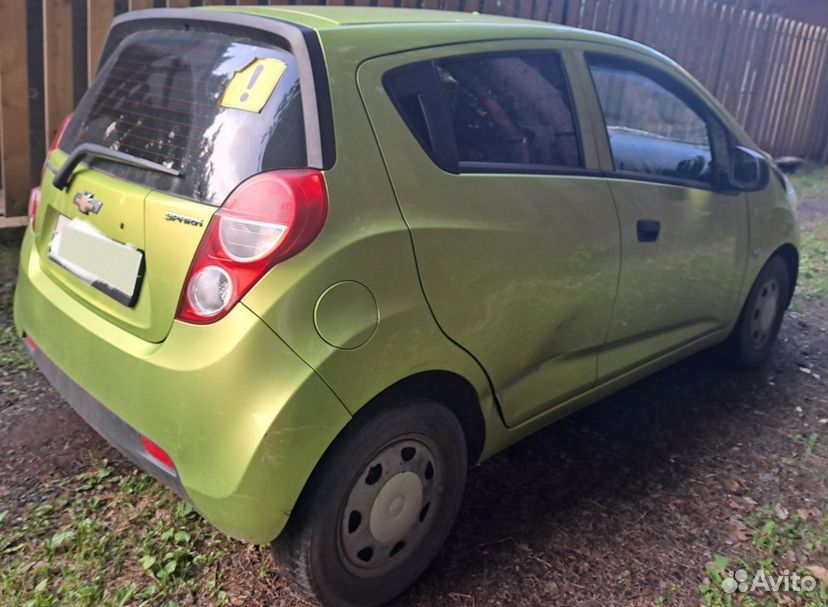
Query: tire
(758, 325)
(379, 506)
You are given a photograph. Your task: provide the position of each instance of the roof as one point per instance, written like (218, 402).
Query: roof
(326, 17)
(372, 31)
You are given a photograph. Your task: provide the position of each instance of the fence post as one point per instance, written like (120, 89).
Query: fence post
(137, 5)
(14, 109)
(58, 85)
(99, 15)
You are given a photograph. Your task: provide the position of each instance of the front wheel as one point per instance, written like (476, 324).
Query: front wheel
(758, 325)
(379, 508)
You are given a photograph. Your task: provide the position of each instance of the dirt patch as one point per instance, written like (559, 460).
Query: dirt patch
(629, 499)
(811, 211)
(625, 503)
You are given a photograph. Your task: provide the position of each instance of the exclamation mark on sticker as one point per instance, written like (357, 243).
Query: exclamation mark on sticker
(251, 87)
(256, 73)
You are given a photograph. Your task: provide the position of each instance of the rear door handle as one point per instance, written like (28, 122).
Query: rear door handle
(648, 230)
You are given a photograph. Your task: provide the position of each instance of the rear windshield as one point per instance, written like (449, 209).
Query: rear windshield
(215, 107)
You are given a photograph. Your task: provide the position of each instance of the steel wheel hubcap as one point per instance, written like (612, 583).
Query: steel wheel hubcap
(386, 514)
(396, 507)
(764, 313)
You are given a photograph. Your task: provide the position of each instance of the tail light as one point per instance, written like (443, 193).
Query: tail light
(55, 143)
(60, 132)
(34, 195)
(34, 206)
(267, 219)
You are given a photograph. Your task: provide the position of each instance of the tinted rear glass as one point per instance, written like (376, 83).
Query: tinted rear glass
(511, 109)
(504, 111)
(159, 96)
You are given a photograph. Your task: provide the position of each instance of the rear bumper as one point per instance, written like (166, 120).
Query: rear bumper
(243, 418)
(116, 431)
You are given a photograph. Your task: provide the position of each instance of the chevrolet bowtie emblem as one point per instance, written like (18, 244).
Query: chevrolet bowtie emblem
(87, 203)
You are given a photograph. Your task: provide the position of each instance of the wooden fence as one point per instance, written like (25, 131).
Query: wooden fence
(770, 72)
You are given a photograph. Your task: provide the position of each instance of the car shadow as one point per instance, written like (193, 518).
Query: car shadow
(574, 489)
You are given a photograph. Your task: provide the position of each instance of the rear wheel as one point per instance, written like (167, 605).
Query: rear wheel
(379, 508)
(758, 325)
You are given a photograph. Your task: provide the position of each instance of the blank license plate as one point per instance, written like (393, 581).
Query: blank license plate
(109, 266)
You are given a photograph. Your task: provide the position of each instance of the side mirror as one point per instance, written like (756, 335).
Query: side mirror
(749, 170)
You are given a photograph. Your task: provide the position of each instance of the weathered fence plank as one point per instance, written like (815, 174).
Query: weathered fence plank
(14, 110)
(793, 123)
(99, 15)
(817, 138)
(771, 75)
(783, 81)
(137, 5)
(58, 68)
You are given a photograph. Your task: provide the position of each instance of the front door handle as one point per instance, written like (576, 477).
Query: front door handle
(648, 230)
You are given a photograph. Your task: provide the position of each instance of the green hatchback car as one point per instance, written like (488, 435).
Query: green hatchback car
(305, 265)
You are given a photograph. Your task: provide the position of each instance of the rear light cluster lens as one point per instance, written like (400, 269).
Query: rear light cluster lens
(34, 196)
(60, 132)
(210, 291)
(267, 219)
(247, 241)
(34, 206)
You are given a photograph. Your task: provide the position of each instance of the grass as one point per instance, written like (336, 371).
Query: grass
(777, 542)
(782, 544)
(109, 539)
(813, 261)
(8, 265)
(8, 257)
(101, 538)
(14, 360)
(813, 264)
(811, 182)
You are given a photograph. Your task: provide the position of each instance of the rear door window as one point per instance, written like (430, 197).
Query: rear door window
(510, 109)
(163, 95)
(502, 112)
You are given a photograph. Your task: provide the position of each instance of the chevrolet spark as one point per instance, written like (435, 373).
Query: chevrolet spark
(306, 265)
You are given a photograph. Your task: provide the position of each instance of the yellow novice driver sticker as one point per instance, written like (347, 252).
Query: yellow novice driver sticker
(250, 88)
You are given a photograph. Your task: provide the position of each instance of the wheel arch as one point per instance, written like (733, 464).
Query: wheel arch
(790, 255)
(447, 388)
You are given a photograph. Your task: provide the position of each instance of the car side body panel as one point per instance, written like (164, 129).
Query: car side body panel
(685, 285)
(519, 269)
(391, 335)
(773, 228)
(770, 220)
